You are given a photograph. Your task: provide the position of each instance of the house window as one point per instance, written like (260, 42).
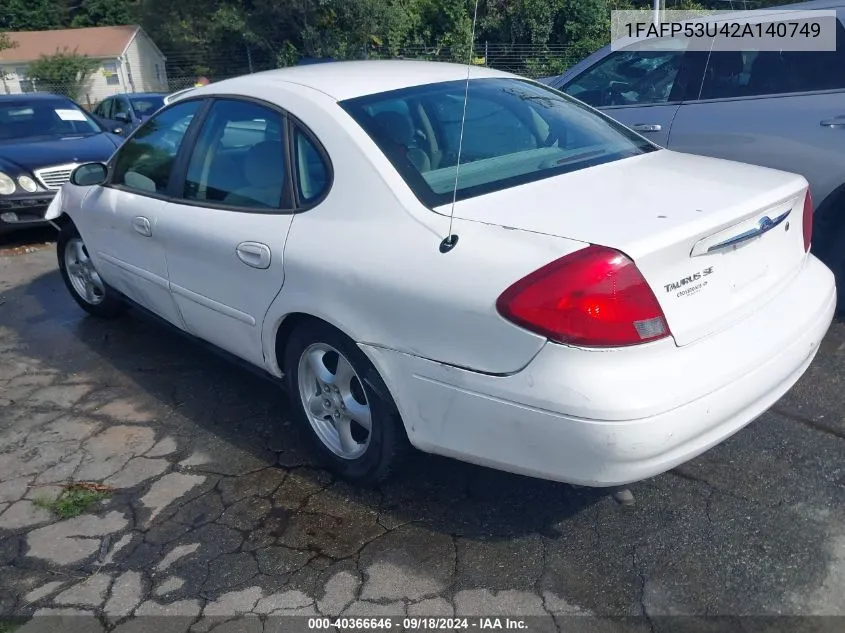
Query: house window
(158, 73)
(26, 83)
(110, 72)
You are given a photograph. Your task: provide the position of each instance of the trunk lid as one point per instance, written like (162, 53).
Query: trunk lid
(713, 238)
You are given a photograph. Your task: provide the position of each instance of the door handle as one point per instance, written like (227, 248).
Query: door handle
(254, 254)
(142, 226)
(646, 127)
(837, 122)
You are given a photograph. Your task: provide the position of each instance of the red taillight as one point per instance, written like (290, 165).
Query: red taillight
(595, 297)
(808, 221)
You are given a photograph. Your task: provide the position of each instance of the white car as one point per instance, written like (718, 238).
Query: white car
(173, 96)
(609, 309)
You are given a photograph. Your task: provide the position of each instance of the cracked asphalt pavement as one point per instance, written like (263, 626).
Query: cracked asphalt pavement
(220, 518)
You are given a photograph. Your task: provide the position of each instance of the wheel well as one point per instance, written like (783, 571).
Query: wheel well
(295, 319)
(288, 325)
(62, 221)
(828, 217)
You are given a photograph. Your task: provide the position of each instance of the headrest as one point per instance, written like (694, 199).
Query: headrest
(396, 127)
(264, 164)
(727, 63)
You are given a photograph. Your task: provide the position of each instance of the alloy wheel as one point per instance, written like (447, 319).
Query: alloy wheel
(84, 278)
(334, 401)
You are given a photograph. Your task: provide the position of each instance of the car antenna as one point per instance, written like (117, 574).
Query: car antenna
(451, 239)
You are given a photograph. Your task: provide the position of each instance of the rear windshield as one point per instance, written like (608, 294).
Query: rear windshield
(515, 132)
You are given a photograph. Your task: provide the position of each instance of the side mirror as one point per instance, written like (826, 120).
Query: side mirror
(123, 117)
(89, 174)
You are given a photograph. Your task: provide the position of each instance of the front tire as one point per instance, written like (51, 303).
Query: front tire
(343, 404)
(81, 278)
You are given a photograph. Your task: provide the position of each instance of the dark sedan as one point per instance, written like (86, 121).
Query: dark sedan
(128, 111)
(43, 137)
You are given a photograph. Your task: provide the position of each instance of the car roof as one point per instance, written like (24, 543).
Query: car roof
(810, 6)
(350, 79)
(140, 94)
(31, 96)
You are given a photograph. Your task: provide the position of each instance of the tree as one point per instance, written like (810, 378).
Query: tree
(102, 13)
(222, 38)
(62, 73)
(6, 42)
(31, 15)
(350, 30)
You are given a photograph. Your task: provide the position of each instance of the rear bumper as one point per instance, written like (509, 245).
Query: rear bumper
(24, 210)
(606, 418)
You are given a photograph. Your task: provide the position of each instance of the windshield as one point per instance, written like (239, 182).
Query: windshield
(515, 132)
(43, 118)
(145, 106)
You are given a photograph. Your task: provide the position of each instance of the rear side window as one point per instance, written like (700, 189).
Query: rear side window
(732, 73)
(515, 132)
(312, 173)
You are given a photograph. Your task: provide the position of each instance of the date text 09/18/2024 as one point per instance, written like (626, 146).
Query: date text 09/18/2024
(416, 623)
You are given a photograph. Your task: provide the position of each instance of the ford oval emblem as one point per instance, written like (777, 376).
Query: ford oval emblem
(766, 222)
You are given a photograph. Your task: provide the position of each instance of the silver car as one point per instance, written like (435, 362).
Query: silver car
(779, 109)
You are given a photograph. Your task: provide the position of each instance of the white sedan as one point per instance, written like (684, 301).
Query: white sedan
(607, 310)
(176, 95)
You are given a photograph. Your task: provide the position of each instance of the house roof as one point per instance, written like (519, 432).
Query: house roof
(97, 42)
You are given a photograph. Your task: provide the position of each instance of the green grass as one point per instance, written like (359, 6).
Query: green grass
(73, 501)
(8, 626)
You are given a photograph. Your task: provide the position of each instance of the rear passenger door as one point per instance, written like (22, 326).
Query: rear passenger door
(642, 87)
(225, 234)
(780, 109)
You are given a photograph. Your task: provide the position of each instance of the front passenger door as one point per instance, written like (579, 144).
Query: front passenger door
(103, 110)
(226, 236)
(122, 223)
(122, 113)
(641, 87)
(102, 113)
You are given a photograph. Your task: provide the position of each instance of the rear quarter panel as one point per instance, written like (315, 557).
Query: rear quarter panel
(367, 260)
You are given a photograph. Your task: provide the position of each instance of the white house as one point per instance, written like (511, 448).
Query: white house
(129, 60)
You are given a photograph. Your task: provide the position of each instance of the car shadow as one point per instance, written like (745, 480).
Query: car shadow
(243, 410)
(20, 240)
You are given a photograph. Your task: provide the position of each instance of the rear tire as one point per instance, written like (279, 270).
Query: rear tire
(81, 278)
(336, 395)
